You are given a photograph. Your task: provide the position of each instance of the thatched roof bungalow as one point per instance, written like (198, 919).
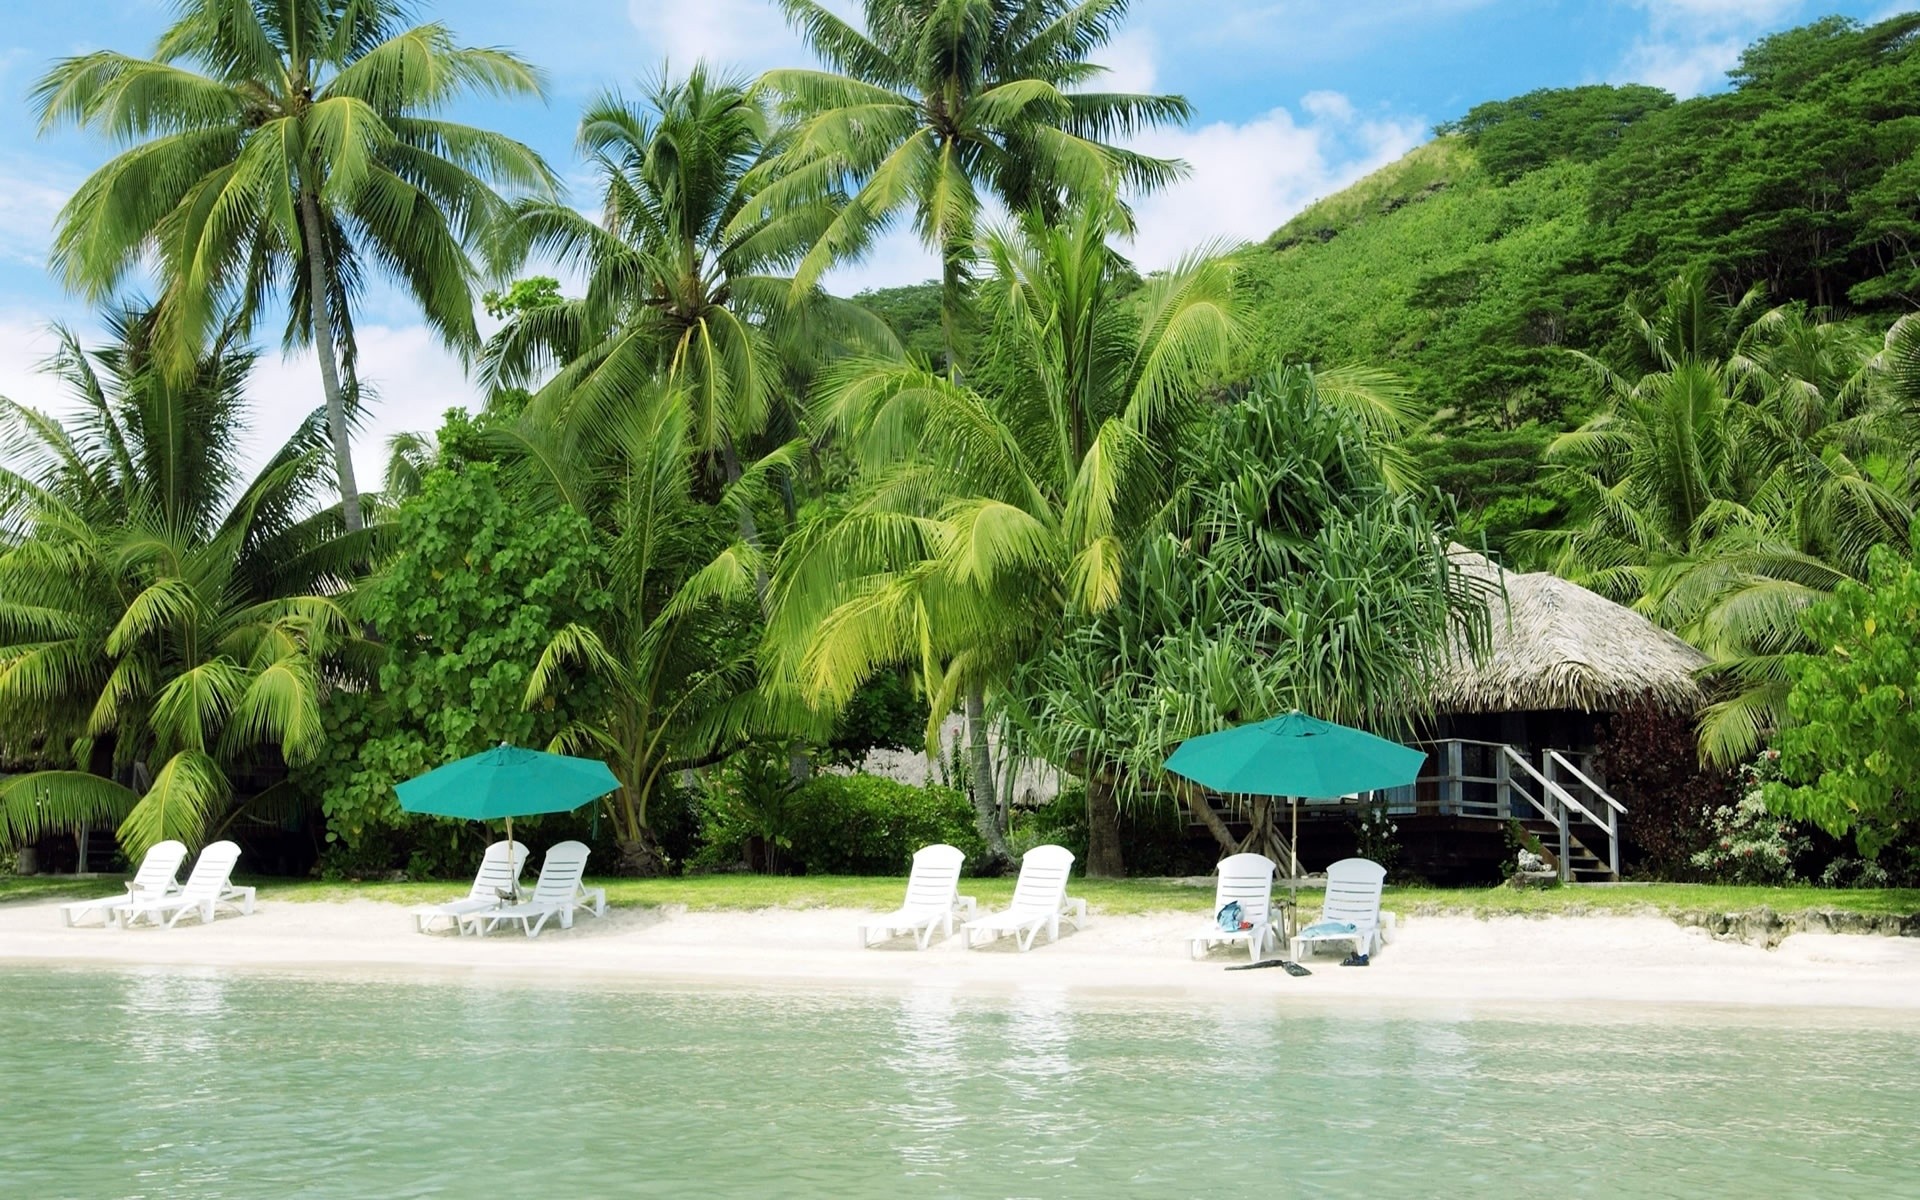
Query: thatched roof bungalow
(1559, 655)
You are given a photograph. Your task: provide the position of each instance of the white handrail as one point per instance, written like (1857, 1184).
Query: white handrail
(1599, 791)
(1561, 794)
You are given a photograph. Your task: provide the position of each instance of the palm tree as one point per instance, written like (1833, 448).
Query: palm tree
(939, 105)
(982, 512)
(289, 145)
(675, 652)
(684, 278)
(159, 633)
(1735, 482)
(1288, 571)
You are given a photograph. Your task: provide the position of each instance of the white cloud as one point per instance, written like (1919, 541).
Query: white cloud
(1132, 60)
(412, 379)
(31, 198)
(1690, 45)
(1683, 68)
(1248, 178)
(897, 258)
(416, 381)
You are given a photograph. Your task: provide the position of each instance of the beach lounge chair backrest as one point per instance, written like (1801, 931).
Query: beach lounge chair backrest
(1246, 879)
(160, 869)
(497, 872)
(1350, 914)
(935, 877)
(1042, 886)
(560, 874)
(1353, 892)
(211, 873)
(157, 878)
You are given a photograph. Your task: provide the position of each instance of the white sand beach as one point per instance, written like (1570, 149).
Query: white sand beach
(1433, 960)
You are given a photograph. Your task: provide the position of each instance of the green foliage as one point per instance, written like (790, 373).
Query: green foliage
(1581, 124)
(884, 713)
(284, 150)
(476, 589)
(1749, 842)
(838, 824)
(165, 629)
(1650, 759)
(1850, 755)
(525, 295)
(1759, 183)
(1289, 574)
(913, 313)
(1376, 835)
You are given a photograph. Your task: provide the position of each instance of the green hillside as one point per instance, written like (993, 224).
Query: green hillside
(1473, 265)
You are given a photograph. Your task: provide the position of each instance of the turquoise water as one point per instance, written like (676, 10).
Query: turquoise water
(160, 1084)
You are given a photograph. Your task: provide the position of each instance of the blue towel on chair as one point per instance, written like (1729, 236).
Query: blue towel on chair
(1320, 929)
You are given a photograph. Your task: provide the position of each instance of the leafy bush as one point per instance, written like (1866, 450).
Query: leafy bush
(1651, 762)
(849, 825)
(1750, 843)
(463, 611)
(1376, 835)
(1853, 746)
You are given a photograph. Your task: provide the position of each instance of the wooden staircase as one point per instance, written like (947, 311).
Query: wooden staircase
(1582, 864)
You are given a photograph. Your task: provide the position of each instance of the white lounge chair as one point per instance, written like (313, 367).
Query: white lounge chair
(1246, 880)
(557, 893)
(1351, 911)
(933, 897)
(1039, 900)
(158, 876)
(208, 886)
(493, 885)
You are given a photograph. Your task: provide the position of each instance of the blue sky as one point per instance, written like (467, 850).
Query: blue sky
(1295, 98)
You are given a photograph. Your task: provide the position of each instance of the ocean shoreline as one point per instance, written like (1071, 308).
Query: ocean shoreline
(1461, 962)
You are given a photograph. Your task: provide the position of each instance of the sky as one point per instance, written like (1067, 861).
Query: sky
(1295, 99)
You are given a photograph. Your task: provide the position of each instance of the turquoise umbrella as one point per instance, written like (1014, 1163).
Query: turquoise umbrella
(1295, 755)
(507, 782)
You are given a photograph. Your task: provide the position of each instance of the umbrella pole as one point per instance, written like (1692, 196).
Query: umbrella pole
(514, 883)
(1293, 863)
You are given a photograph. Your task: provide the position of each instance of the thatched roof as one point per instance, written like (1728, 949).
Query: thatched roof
(1556, 645)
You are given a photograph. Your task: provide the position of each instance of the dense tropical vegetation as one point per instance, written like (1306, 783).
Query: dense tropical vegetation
(723, 529)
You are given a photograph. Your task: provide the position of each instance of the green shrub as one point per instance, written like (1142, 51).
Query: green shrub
(849, 825)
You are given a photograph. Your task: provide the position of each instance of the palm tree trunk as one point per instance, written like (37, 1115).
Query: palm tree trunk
(1103, 830)
(980, 789)
(318, 292)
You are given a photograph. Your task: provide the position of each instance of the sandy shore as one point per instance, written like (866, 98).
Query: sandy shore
(1433, 960)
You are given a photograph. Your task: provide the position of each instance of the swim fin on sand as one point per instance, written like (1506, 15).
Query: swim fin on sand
(1287, 965)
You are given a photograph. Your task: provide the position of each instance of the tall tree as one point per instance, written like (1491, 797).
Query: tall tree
(290, 147)
(1744, 473)
(984, 511)
(938, 106)
(160, 634)
(1286, 571)
(672, 655)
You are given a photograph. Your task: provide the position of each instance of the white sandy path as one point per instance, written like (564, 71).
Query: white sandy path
(1434, 960)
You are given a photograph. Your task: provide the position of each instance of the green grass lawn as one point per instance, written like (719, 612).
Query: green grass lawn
(719, 892)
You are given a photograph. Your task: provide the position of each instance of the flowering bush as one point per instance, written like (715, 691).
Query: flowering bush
(1751, 843)
(1377, 835)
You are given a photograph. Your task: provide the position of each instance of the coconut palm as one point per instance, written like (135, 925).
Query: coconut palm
(981, 512)
(164, 624)
(675, 651)
(939, 106)
(289, 146)
(684, 279)
(1734, 484)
